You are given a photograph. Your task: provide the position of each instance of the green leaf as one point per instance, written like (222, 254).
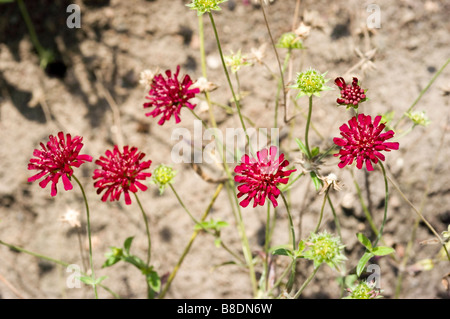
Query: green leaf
(301, 146)
(315, 151)
(110, 261)
(365, 241)
(127, 244)
(99, 280)
(154, 281)
(136, 261)
(382, 251)
(217, 242)
(282, 252)
(362, 262)
(87, 280)
(316, 181)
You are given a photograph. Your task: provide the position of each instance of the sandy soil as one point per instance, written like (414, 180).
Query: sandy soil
(119, 39)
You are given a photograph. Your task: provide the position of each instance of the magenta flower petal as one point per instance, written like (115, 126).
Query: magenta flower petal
(260, 177)
(351, 95)
(120, 172)
(363, 140)
(56, 160)
(168, 96)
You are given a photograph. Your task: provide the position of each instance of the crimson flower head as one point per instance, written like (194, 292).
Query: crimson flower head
(56, 160)
(351, 95)
(168, 96)
(260, 176)
(364, 141)
(120, 173)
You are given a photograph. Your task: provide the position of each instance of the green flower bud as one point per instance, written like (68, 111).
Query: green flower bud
(310, 83)
(203, 6)
(324, 248)
(290, 41)
(364, 290)
(162, 176)
(235, 61)
(418, 118)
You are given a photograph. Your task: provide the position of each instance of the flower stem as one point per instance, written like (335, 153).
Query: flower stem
(308, 280)
(189, 245)
(321, 210)
(386, 194)
(53, 260)
(278, 61)
(89, 233)
(150, 293)
(308, 121)
(423, 92)
(147, 229)
(236, 101)
(291, 224)
(230, 184)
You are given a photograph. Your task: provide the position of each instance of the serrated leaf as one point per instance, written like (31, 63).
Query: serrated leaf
(362, 262)
(127, 244)
(365, 241)
(382, 251)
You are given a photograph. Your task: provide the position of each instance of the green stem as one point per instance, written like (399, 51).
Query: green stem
(236, 101)
(363, 205)
(266, 247)
(53, 260)
(423, 92)
(89, 233)
(231, 192)
(291, 224)
(44, 56)
(281, 86)
(278, 61)
(189, 245)
(321, 210)
(308, 121)
(147, 230)
(308, 280)
(386, 198)
(421, 217)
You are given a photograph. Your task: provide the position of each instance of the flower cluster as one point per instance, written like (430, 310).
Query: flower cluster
(121, 172)
(260, 177)
(351, 95)
(364, 290)
(236, 60)
(203, 6)
(169, 95)
(310, 82)
(324, 248)
(363, 140)
(290, 40)
(56, 161)
(418, 118)
(162, 176)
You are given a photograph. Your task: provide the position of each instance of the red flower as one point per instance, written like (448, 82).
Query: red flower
(168, 96)
(56, 160)
(121, 172)
(260, 177)
(351, 95)
(364, 141)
